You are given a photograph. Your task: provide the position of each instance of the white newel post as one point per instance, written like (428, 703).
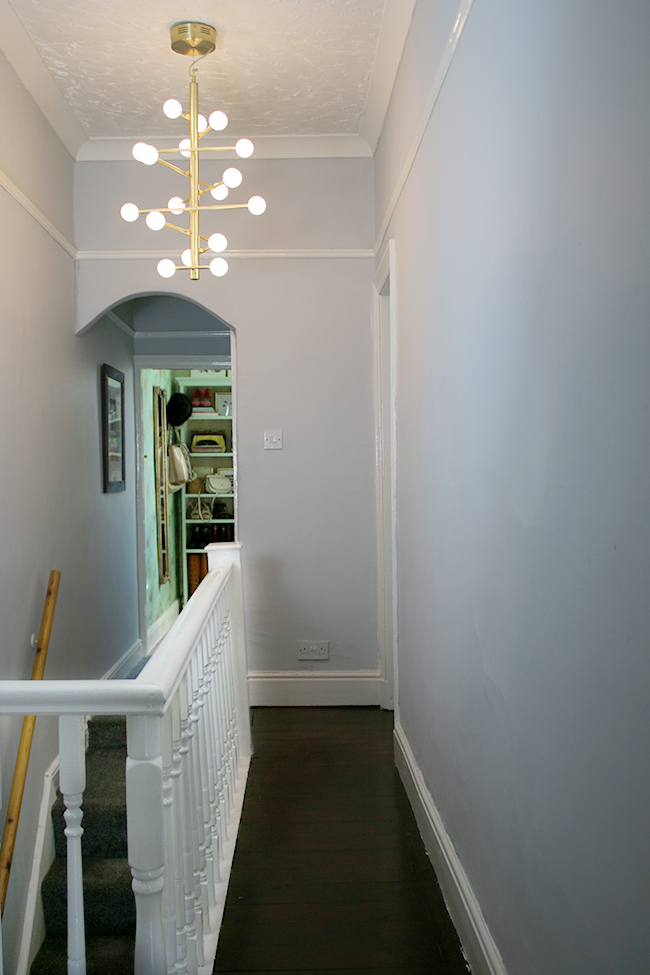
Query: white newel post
(144, 813)
(72, 782)
(232, 551)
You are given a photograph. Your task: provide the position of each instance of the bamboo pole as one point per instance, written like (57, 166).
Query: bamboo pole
(24, 748)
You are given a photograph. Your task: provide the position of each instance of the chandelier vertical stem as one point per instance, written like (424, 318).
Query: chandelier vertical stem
(194, 177)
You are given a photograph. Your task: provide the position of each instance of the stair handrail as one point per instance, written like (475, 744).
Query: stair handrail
(149, 701)
(148, 693)
(25, 744)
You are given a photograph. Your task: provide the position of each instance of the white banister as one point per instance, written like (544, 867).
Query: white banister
(144, 817)
(72, 782)
(188, 749)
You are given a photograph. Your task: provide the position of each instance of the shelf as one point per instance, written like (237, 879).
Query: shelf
(212, 415)
(200, 453)
(201, 423)
(204, 494)
(210, 521)
(202, 382)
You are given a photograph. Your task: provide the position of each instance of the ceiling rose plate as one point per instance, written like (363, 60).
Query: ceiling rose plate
(195, 40)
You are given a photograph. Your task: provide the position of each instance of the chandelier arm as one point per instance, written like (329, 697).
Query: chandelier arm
(224, 206)
(200, 149)
(173, 226)
(176, 169)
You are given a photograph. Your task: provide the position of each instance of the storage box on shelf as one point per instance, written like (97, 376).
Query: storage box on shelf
(207, 515)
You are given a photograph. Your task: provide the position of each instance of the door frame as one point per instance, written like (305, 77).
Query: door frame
(141, 362)
(384, 324)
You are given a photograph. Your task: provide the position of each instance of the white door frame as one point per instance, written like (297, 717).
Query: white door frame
(384, 320)
(141, 362)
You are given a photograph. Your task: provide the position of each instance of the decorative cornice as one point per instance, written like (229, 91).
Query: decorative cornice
(298, 253)
(19, 50)
(390, 47)
(266, 147)
(24, 201)
(434, 92)
(116, 320)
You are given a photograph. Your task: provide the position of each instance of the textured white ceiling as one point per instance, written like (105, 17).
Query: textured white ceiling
(282, 67)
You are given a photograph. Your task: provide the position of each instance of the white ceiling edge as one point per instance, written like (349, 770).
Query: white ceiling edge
(19, 50)
(266, 147)
(392, 38)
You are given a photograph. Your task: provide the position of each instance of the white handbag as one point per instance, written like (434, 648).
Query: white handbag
(217, 484)
(179, 465)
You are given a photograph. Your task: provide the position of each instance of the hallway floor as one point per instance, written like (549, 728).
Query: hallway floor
(330, 874)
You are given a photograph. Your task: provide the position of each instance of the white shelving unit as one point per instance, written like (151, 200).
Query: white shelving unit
(197, 532)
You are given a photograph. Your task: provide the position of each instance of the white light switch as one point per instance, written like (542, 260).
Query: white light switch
(273, 440)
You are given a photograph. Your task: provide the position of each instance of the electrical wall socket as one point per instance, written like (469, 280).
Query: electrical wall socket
(312, 650)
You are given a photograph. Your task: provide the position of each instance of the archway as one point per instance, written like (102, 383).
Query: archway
(172, 337)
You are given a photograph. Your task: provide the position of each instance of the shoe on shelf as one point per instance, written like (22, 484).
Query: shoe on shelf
(205, 398)
(196, 398)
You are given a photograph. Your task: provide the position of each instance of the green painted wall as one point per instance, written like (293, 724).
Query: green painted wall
(159, 597)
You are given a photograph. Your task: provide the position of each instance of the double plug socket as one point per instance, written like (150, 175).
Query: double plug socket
(313, 650)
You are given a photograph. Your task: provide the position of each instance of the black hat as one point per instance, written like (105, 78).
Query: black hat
(179, 409)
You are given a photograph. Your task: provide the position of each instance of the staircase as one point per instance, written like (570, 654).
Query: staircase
(109, 906)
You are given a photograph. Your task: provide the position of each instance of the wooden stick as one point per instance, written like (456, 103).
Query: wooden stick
(24, 748)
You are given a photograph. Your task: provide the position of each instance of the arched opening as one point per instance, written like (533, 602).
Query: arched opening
(178, 347)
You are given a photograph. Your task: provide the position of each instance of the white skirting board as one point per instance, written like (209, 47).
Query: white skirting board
(479, 948)
(158, 630)
(295, 688)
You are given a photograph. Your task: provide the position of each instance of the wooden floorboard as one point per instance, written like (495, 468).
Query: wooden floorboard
(330, 874)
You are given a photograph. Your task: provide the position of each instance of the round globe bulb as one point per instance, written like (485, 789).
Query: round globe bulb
(217, 243)
(202, 122)
(219, 192)
(218, 266)
(155, 220)
(149, 155)
(256, 205)
(218, 121)
(176, 205)
(186, 257)
(184, 146)
(232, 177)
(244, 148)
(173, 108)
(166, 268)
(138, 149)
(129, 212)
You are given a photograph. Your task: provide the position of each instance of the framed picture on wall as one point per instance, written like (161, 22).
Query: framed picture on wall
(113, 429)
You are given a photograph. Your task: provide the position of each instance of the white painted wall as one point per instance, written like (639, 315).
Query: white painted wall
(524, 467)
(54, 514)
(303, 365)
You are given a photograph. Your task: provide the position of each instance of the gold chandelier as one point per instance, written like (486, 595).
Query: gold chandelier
(194, 40)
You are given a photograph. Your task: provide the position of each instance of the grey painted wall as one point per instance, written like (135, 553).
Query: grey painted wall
(54, 514)
(524, 467)
(303, 364)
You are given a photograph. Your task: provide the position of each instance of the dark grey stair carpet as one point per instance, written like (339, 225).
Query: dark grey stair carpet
(109, 906)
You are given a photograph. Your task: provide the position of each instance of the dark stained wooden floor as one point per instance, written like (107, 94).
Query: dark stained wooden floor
(330, 874)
